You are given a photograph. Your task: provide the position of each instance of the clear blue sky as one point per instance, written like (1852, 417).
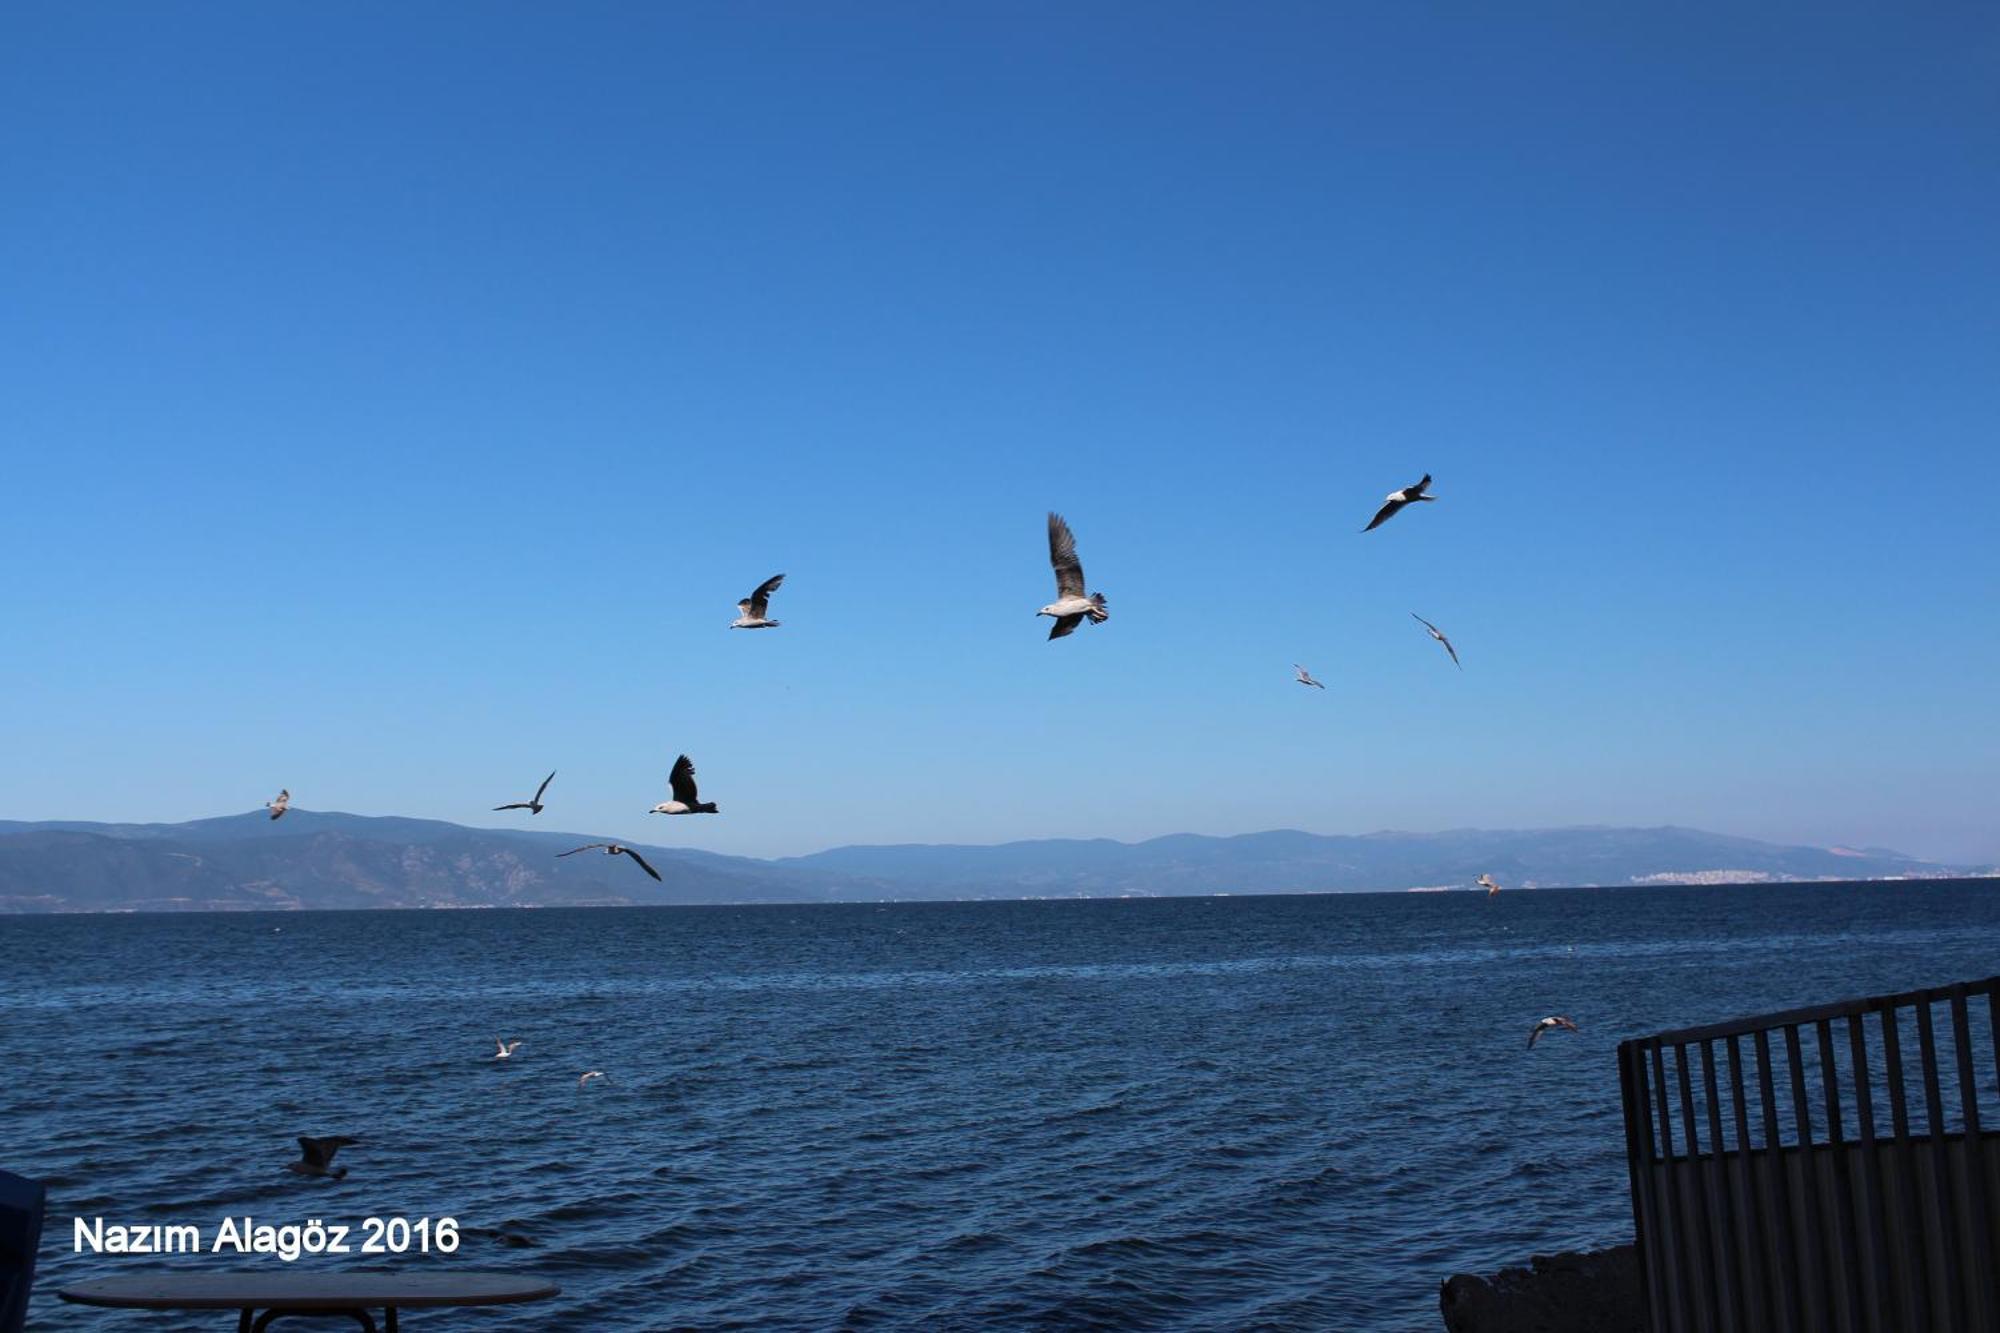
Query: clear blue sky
(396, 398)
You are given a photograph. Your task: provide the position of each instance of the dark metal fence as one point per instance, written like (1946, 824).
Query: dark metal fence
(1823, 1169)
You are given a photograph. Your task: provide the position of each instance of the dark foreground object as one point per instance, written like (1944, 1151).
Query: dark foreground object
(1826, 1168)
(281, 1294)
(21, 1204)
(1596, 1292)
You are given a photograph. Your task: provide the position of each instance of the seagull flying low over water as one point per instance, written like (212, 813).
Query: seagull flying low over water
(1552, 1023)
(685, 801)
(533, 805)
(1306, 678)
(1486, 882)
(752, 608)
(1072, 604)
(316, 1156)
(279, 806)
(1396, 501)
(611, 849)
(505, 1049)
(1438, 634)
(584, 1081)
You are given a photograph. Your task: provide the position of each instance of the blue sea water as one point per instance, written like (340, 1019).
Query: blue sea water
(1209, 1113)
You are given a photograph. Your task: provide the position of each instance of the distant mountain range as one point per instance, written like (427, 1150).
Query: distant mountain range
(313, 859)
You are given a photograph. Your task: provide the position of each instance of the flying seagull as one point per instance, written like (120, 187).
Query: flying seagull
(1071, 604)
(1306, 678)
(611, 849)
(1487, 883)
(506, 1049)
(752, 608)
(1397, 499)
(685, 801)
(279, 806)
(316, 1156)
(1438, 634)
(1550, 1024)
(584, 1081)
(533, 805)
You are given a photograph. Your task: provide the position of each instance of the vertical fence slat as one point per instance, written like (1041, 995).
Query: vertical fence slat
(1909, 1214)
(1972, 1175)
(1775, 1178)
(1843, 1190)
(1756, 1265)
(1881, 1312)
(1640, 1156)
(1941, 1192)
(1728, 1254)
(1812, 1254)
(1703, 1247)
(1679, 1288)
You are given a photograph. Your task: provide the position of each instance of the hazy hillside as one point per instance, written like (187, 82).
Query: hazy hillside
(316, 859)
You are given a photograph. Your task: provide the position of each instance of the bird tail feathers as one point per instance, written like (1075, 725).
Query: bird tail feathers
(1098, 615)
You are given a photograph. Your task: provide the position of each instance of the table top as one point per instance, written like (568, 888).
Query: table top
(306, 1291)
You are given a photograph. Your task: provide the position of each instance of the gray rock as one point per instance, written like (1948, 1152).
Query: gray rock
(1597, 1292)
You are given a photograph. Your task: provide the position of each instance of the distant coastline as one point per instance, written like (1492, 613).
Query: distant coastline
(323, 860)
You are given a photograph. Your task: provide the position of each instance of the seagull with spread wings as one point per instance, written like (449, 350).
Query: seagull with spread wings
(583, 1080)
(1488, 883)
(750, 611)
(316, 1156)
(1438, 634)
(533, 805)
(1072, 605)
(686, 801)
(1553, 1023)
(611, 849)
(504, 1050)
(1306, 677)
(279, 806)
(1397, 499)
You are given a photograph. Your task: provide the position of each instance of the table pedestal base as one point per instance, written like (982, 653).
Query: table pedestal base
(249, 1321)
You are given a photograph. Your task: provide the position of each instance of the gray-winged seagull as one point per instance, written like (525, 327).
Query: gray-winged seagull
(752, 608)
(316, 1156)
(686, 801)
(1072, 604)
(279, 806)
(1438, 634)
(506, 1049)
(533, 805)
(584, 1080)
(1306, 678)
(611, 849)
(1487, 883)
(1553, 1023)
(1396, 501)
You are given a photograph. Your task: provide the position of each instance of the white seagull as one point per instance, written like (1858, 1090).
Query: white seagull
(505, 1049)
(752, 608)
(686, 801)
(1072, 604)
(1550, 1024)
(1396, 501)
(1486, 882)
(316, 1156)
(1306, 678)
(611, 849)
(279, 806)
(584, 1081)
(533, 805)
(1438, 634)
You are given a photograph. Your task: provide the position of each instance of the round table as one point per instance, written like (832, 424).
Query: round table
(315, 1293)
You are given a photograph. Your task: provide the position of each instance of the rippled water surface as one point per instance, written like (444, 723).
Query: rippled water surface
(1222, 1113)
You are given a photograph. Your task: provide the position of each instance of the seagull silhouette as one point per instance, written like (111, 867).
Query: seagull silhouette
(1305, 677)
(611, 849)
(1072, 604)
(505, 1049)
(1553, 1023)
(1438, 634)
(752, 608)
(686, 801)
(1396, 501)
(279, 806)
(316, 1156)
(1486, 882)
(533, 805)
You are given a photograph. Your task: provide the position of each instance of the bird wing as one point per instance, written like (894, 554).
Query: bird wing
(1534, 1034)
(1453, 651)
(1062, 556)
(1425, 623)
(643, 865)
(519, 805)
(682, 781)
(1384, 514)
(760, 600)
(313, 1151)
(587, 847)
(1065, 625)
(1421, 486)
(544, 787)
